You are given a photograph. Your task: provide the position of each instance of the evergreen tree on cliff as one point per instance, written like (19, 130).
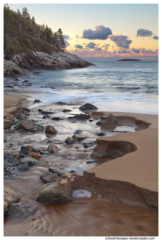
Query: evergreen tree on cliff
(61, 41)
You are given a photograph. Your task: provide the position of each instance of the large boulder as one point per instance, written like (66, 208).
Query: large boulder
(20, 210)
(10, 196)
(88, 106)
(55, 191)
(52, 148)
(50, 129)
(31, 126)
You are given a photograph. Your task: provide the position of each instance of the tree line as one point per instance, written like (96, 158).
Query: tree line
(19, 26)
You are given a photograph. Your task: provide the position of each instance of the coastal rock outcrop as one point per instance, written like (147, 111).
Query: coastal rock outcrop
(11, 69)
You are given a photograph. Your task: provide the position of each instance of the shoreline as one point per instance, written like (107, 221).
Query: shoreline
(140, 171)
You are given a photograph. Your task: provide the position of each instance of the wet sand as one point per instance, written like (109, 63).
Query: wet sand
(139, 168)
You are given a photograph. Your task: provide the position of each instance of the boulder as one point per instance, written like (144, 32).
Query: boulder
(49, 177)
(29, 161)
(60, 172)
(20, 210)
(31, 126)
(52, 148)
(70, 140)
(50, 129)
(10, 196)
(79, 117)
(88, 106)
(35, 155)
(26, 150)
(55, 191)
(7, 124)
(107, 120)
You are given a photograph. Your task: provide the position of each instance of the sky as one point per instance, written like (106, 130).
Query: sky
(102, 30)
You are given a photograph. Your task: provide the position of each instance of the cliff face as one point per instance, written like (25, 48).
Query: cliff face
(55, 61)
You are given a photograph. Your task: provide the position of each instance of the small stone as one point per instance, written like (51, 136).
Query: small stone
(67, 110)
(23, 168)
(57, 119)
(91, 161)
(29, 161)
(78, 136)
(52, 148)
(6, 139)
(70, 140)
(79, 117)
(100, 134)
(60, 172)
(20, 210)
(50, 129)
(16, 155)
(37, 101)
(78, 132)
(35, 155)
(86, 145)
(45, 116)
(40, 110)
(46, 112)
(90, 120)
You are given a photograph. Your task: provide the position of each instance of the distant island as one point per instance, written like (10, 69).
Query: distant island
(129, 59)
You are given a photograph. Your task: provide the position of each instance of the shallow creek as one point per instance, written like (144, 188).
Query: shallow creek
(86, 214)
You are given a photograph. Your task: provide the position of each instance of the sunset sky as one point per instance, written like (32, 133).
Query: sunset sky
(102, 30)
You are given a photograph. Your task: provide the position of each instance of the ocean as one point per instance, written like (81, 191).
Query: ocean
(110, 85)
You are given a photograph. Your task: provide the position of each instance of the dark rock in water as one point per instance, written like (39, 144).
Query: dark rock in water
(70, 140)
(31, 126)
(79, 117)
(91, 161)
(49, 177)
(57, 118)
(88, 106)
(78, 132)
(100, 134)
(79, 136)
(29, 161)
(20, 210)
(45, 116)
(67, 110)
(36, 73)
(37, 101)
(59, 171)
(61, 103)
(9, 160)
(45, 112)
(23, 168)
(50, 129)
(26, 150)
(90, 120)
(16, 79)
(86, 145)
(72, 171)
(40, 110)
(6, 139)
(10, 196)
(52, 148)
(110, 115)
(25, 109)
(25, 81)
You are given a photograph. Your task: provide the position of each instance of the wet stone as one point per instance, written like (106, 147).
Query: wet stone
(91, 161)
(67, 110)
(88, 106)
(6, 139)
(49, 177)
(70, 140)
(37, 101)
(23, 168)
(20, 210)
(100, 134)
(60, 172)
(57, 119)
(79, 117)
(78, 132)
(46, 116)
(50, 129)
(46, 112)
(86, 145)
(29, 161)
(52, 148)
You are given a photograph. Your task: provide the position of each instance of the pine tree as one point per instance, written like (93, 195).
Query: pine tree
(62, 44)
(25, 13)
(18, 12)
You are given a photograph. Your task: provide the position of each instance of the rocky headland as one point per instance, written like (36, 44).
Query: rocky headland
(21, 64)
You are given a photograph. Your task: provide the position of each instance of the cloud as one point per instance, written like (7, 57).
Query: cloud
(135, 50)
(121, 41)
(97, 49)
(79, 46)
(106, 46)
(155, 37)
(66, 43)
(91, 45)
(66, 37)
(144, 33)
(123, 51)
(77, 36)
(101, 32)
